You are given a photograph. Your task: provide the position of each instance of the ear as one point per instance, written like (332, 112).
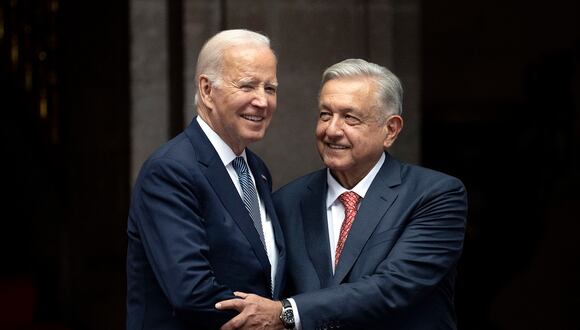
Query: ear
(393, 126)
(205, 91)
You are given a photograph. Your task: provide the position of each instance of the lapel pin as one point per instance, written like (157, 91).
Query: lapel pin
(263, 177)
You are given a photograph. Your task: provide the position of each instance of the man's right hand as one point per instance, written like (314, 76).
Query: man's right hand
(255, 312)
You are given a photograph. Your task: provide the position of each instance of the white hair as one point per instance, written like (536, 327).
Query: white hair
(210, 59)
(390, 90)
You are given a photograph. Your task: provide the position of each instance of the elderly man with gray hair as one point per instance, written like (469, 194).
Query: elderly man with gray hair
(372, 242)
(202, 223)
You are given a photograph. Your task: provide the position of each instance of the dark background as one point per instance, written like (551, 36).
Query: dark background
(500, 110)
(501, 98)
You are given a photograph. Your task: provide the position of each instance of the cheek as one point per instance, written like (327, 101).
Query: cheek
(320, 130)
(238, 101)
(272, 102)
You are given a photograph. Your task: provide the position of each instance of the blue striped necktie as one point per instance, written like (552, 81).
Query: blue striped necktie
(250, 196)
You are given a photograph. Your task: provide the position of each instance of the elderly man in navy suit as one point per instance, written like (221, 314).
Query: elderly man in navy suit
(202, 223)
(372, 242)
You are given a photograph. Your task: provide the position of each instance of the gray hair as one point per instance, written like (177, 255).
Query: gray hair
(390, 90)
(210, 59)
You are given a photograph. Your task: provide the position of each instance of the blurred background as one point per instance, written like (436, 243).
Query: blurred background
(89, 88)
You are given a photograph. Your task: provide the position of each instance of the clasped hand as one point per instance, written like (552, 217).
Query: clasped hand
(255, 312)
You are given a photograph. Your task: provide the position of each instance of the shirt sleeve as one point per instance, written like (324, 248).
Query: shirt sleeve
(297, 325)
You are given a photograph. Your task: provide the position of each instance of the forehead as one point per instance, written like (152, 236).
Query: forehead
(357, 93)
(249, 60)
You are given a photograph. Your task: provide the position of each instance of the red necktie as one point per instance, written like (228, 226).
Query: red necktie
(350, 201)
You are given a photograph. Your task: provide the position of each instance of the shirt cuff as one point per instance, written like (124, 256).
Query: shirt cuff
(297, 324)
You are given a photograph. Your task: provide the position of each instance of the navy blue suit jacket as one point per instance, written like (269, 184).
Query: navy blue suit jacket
(397, 268)
(191, 241)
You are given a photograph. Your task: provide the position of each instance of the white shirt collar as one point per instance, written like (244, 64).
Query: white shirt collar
(226, 153)
(335, 189)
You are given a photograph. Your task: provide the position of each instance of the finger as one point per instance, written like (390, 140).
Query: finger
(240, 294)
(235, 323)
(237, 304)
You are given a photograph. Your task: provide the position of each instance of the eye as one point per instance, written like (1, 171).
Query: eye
(325, 115)
(246, 87)
(271, 90)
(351, 120)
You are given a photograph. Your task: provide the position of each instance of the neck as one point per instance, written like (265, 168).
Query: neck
(347, 180)
(351, 177)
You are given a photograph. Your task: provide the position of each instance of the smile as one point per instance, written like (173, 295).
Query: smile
(336, 146)
(253, 118)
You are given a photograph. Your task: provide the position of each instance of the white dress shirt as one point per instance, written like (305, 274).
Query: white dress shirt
(227, 155)
(335, 214)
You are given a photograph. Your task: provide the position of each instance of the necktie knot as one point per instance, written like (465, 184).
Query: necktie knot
(239, 165)
(350, 200)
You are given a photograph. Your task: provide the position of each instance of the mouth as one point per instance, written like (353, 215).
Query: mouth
(336, 146)
(255, 119)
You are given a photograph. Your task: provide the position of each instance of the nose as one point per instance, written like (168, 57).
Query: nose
(260, 98)
(334, 128)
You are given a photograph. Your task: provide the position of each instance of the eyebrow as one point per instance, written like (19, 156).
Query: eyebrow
(322, 105)
(249, 80)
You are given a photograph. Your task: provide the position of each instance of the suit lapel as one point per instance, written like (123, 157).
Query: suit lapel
(217, 175)
(313, 210)
(376, 203)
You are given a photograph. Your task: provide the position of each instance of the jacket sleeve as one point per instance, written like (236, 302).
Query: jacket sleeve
(426, 251)
(169, 223)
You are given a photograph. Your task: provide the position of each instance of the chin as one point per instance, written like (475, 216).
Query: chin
(335, 164)
(254, 137)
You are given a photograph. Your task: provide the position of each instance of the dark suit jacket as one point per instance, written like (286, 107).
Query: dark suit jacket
(397, 269)
(191, 240)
